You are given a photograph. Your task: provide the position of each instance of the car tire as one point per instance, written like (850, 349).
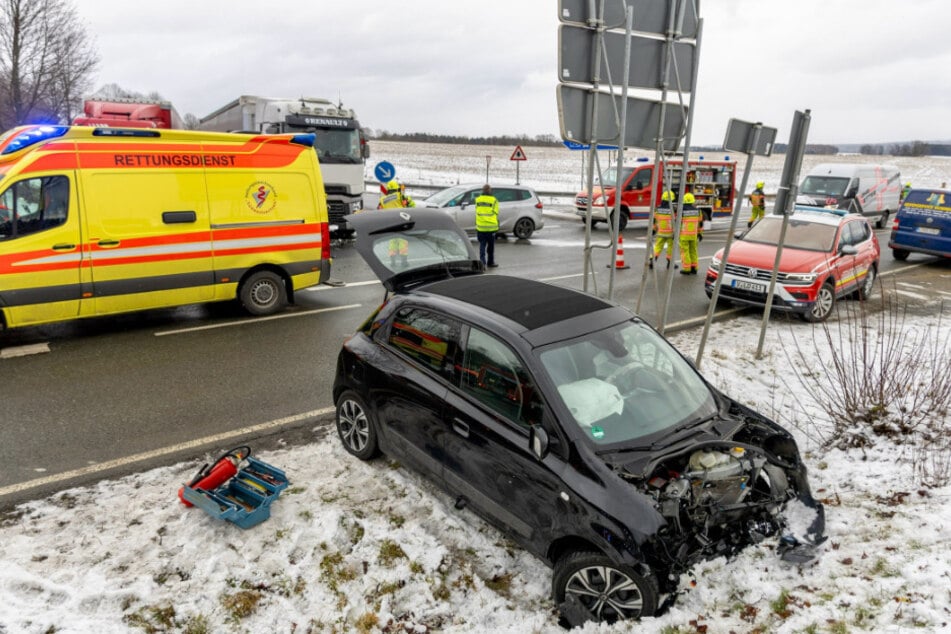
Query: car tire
(900, 254)
(822, 307)
(585, 576)
(622, 219)
(524, 228)
(355, 427)
(868, 285)
(881, 222)
(263, 293)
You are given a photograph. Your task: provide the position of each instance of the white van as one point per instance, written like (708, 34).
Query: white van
(870, 190)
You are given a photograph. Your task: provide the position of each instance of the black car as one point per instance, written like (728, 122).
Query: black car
(563, 419)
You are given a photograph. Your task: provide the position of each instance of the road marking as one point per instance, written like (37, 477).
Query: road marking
(158, 453)
(917, 296)
(242, 322)
(325, 287)
(22, 351)
(559, 277)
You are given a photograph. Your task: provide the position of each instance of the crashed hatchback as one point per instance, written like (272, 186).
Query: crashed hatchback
(565, 420)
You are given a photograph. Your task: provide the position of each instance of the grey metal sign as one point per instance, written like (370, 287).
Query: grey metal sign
(650, 16)
(740, 135)
(576, 57)
(643, 119)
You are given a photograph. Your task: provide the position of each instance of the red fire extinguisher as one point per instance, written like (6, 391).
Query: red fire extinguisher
(219, 473)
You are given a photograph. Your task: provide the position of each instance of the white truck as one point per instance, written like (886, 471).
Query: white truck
(341, 144)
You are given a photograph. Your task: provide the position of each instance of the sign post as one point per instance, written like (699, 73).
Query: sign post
(488, 159)
(518, 156)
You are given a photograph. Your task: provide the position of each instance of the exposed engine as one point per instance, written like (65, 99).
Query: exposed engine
(716, 500)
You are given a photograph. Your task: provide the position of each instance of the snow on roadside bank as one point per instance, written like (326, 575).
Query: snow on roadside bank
(354, 546)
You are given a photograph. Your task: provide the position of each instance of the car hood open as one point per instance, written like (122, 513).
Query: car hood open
(407, 247)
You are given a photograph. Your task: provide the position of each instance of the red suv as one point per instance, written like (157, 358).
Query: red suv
(827, 254)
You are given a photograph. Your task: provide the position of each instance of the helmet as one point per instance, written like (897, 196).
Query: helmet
(689, 199)
(908, 184)
(760, 184)
(667, 195)
(393, 186)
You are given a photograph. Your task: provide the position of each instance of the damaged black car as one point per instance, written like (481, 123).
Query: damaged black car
(563, 419)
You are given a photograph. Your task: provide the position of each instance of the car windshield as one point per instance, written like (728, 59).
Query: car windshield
(418, 249)
(801, 234)
(824, 185)
(609, 176)
(626, 382)
(440, 198)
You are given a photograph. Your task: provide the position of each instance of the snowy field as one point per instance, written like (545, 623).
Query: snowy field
(371, 547)
(557, 169)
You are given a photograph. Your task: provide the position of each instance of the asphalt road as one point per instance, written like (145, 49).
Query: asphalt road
(110, 396)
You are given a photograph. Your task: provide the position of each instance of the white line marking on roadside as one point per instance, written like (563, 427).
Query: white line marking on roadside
(254, 321)
(917, 296)
(325, 287)
(23, 351)
(559, 277)
(158, 453)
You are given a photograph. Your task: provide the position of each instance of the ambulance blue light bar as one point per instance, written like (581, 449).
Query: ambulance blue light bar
(308, 139)
(33, 136)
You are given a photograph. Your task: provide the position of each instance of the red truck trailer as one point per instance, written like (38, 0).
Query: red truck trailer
(129, 113)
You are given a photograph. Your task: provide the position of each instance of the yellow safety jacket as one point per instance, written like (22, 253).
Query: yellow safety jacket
(690, 222)
(487, 213)
(664, 221)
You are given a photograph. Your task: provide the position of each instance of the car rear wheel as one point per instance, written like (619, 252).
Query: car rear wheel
(263, 293)
(356, 430)
(589, 586)
(900, 254)
(868, 285)
(822, 307)
(622, 219)
(524, 228)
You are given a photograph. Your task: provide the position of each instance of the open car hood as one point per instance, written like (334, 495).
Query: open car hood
(411, 246)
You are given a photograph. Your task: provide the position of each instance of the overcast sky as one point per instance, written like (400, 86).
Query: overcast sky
(869, 70)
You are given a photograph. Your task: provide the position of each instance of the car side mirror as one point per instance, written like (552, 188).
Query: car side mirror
(538, 441)
(848, 249)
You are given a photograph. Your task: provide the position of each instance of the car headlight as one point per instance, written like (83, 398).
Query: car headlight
(715, 263)
(801, 278)
(598, 201)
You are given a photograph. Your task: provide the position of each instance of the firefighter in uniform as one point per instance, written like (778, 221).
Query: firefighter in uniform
(758, 203)
(487, 225)
(904, 191)
(396, 199)
(690, 223)
(664, 227)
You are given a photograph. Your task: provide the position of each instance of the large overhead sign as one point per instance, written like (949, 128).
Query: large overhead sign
(650, 16)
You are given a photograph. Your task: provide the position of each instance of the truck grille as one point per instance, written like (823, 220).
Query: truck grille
(337, 209)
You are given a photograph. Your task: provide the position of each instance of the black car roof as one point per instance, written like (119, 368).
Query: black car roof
(530, 303)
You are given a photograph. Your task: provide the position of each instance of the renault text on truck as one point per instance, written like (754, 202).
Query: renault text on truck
(341, 144)
(95, 221)
(870, 190)
(713, 184)
(129, 113)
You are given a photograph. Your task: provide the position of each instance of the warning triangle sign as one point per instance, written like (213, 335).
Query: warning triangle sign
(518, 154)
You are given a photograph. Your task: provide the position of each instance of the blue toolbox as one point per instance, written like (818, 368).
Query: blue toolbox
(245, 499)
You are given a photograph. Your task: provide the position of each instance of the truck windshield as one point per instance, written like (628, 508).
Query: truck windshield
(337, 145)
(609, 176)
(824, 185)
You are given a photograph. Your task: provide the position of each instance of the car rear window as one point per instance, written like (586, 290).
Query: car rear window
(926, 199)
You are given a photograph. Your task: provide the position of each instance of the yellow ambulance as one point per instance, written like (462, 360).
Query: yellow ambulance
(95, 221)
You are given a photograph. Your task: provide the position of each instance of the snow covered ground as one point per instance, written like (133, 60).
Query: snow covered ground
(371, 547)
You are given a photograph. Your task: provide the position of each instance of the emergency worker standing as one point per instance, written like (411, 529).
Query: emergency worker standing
(664, 227)
(690, 219)
(904, 191)
(395, 197)
(487, 224)
(758, 202)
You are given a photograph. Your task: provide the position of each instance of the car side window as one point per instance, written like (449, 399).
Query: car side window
(33, 205)
(494, 375)
(504, 195)
(427, 337)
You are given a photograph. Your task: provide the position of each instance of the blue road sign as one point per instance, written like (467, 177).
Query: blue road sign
(572, 145)
(384, 171)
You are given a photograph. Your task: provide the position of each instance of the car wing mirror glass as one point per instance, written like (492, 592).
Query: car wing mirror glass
(538, 441)
(848, 249)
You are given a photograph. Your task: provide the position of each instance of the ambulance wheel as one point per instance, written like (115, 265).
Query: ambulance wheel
(355, 428)
(263, 293)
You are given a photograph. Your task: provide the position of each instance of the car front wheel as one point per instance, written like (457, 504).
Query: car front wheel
(356, 430)
(589, 586)
(868, 285)
(822, 307)
(524, 228)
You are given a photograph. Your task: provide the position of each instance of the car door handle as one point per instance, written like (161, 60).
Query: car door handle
(108, 243)
(64, 247)
(460, 428)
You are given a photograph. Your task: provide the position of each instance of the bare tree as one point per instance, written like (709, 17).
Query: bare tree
(46, 61)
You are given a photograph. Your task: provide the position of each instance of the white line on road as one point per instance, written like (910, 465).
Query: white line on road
(325, 287)
(158, 453)
(22, 351)
(242, 322)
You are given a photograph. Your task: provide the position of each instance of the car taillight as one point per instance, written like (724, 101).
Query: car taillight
(895, 224)
(538, 205)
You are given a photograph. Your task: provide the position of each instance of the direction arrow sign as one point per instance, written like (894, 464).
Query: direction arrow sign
(518, 154)
(384, 171)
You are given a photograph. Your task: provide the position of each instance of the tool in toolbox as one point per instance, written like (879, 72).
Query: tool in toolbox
(237, 488)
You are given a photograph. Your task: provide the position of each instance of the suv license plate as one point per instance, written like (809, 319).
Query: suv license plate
(748, 286)
(931, 231)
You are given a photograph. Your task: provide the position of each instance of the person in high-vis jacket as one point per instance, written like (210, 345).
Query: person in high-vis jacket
(664, 227)
(758, 203)
(690, 224)
(395, 197)
(487, 225)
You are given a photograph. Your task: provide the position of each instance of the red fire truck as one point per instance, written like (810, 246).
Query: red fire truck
(129, 113)
(713, 184)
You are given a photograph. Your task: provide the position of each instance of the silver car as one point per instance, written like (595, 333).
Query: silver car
(520, 210)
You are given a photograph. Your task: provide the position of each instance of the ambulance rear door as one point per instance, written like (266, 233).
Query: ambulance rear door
(40, 249)
(148, 233)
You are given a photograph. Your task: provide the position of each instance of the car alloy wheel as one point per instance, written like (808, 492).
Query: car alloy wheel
(608, 592)
(524, 228)
(822, 307)
(868, 285)
(354, 427)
